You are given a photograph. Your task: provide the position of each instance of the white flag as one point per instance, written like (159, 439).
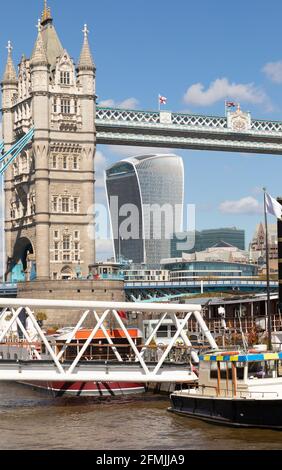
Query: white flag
(272, 206)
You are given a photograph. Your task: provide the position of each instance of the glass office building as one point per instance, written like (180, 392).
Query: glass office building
(145, 196)
(208, 238)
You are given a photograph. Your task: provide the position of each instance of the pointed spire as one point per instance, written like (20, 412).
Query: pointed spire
(86, 60)
(46, 16)
(10, 75)
(39, 56)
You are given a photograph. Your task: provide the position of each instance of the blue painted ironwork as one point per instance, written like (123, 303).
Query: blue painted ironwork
(165, 298)
(1, 147)
(9, 156)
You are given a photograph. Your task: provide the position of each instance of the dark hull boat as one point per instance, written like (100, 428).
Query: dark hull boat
(239, 412)
(235, 389)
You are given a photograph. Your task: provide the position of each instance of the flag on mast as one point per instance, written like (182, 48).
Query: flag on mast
(122, 315)
(272, 206)
(230, 104)
(162, 99)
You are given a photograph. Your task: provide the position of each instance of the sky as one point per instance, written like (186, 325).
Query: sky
(197, 54)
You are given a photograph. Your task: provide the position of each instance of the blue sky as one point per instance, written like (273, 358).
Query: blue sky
(196, 54)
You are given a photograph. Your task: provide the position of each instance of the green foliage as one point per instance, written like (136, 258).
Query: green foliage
(41, 316)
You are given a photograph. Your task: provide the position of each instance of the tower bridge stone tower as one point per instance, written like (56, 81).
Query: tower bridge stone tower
(49, 189)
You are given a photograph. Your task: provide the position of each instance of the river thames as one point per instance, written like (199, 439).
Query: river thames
(31, 419)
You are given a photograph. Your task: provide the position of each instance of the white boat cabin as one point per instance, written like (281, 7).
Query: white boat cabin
(240, 375)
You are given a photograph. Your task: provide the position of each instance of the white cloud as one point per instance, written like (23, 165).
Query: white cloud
(221, 89)
(128, 103)
(246, 205)
(273, 71)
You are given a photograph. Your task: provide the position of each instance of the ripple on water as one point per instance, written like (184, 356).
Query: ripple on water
(137, 422)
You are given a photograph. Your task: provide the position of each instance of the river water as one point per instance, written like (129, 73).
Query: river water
(31, 419)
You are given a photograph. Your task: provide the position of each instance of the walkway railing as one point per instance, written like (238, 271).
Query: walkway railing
(54, 365)
(167, 129)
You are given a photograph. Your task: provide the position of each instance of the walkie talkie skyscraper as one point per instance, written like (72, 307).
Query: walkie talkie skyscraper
(152, 188)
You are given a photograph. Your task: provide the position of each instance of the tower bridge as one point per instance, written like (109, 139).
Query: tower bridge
(49, 105)
(237, 132)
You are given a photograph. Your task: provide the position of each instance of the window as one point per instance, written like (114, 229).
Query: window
(65, 107)
(55, 276)
(75, 205)
(65, 204)
(56, 245)
(75, 163)
(56, 234)
(66, 243)
(66, 257)
(162, 331)
(65, 78)
(227, 367)
(55, 204)
(75, 106)
(262, 369)
(76, 235)
(54, 161)
(76, 246)
(55, 105)
(65, 163)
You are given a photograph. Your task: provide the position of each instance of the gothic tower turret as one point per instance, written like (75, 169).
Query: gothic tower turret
(51, 193)
(39, 71)
(9, 88)
(86, 75)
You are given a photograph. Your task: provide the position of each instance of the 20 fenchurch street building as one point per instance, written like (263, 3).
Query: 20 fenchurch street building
(145, 196)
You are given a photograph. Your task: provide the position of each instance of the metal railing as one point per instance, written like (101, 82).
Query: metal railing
(99, 313)
(224, 393)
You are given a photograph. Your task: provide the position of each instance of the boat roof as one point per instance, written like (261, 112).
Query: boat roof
(113, 333)
(240, 357)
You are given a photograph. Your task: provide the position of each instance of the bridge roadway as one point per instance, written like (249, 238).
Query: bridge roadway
(237, 132)
(181, 287)
(9, 290)
(94, 371)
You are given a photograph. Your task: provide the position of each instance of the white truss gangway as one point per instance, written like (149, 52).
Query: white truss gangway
(33, 367)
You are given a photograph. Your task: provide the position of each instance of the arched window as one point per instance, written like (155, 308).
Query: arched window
(66, 274)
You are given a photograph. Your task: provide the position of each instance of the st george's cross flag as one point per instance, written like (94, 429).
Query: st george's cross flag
(272, 206)
(162, 99)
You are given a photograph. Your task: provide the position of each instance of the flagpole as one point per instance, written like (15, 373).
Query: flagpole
(269, 322)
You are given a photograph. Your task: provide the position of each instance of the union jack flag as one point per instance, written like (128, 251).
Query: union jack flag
(230, 104)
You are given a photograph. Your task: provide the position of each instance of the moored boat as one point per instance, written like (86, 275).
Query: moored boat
(98, 351)
(235, 388)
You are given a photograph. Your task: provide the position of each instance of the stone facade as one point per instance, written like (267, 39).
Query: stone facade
(110, 290)
(49, 189)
